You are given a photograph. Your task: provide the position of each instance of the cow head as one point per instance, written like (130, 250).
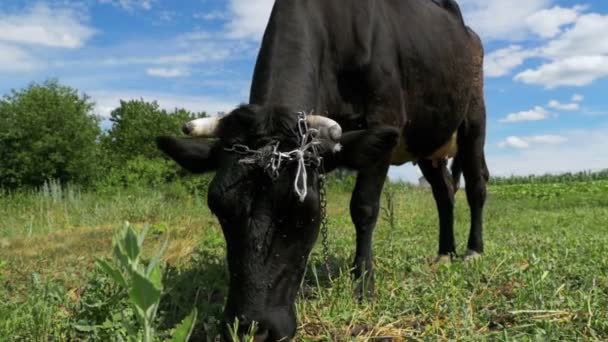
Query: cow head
(269, 230)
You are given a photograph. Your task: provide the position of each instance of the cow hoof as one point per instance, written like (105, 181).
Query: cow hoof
(444, 259)
(471, 256)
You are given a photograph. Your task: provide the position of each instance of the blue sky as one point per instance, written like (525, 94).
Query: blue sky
(546, 65)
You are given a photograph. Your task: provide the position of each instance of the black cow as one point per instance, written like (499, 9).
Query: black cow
(402, 78)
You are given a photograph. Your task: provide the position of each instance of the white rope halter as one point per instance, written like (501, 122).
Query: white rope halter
(271, 159)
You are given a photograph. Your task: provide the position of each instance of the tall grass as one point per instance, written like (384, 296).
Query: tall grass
(58, 207)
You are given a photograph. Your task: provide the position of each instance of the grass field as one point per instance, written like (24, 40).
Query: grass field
(544, 275)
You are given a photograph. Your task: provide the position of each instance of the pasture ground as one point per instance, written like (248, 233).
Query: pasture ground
(544, 275)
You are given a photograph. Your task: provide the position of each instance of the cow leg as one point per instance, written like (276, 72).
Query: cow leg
(476, 176)
(364, 208)
(443, 191)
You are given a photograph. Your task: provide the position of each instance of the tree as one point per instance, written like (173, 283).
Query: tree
(136, 124)
(130, 154)
(47, 131)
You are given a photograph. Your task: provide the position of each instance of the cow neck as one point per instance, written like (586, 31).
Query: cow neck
(286, 73)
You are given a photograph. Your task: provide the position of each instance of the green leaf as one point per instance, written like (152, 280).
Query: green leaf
(119, 337)
(140, 315)
(85, 328)
(157, 258)
(142, 236)
(131, 244)
(143, 293)
(183, 331)
(156, 277)
(121, 257)
(111, 271)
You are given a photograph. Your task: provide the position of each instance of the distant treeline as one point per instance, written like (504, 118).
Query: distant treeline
(50, 132)
(557, 178)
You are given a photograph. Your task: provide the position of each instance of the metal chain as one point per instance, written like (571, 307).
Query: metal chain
(324, 225)
(304, 131)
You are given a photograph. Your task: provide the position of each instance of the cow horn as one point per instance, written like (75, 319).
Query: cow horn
(205, 127)
(326, 126)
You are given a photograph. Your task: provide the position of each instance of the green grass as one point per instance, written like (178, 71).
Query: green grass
(544, 275)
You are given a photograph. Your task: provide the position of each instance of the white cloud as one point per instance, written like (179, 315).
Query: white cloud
(564, 106)
(167, 16)
(580, 150)
(45, 26)
(107, 101)
(520, 143)
(546, 139)
(15, 59)
(548, 23)
(186, 49)
(197, 35)
(501, 62)
(167, 72)
(571, 51)
(538, 113)
(514, 142)
(578, 57)
(248, 18)
(210, 16)
(574, 71)
(577, 98)
(130, 5)
(500, 19)
(584, 38)
(195, 56)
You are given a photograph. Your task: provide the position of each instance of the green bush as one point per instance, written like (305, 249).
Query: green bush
(130, 156)
(135, 125)
(47, 131)
(139, 172)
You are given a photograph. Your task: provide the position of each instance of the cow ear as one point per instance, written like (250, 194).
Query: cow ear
(364, 148)
(196, 156)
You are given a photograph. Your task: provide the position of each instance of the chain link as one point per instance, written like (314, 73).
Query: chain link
(241, 149)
